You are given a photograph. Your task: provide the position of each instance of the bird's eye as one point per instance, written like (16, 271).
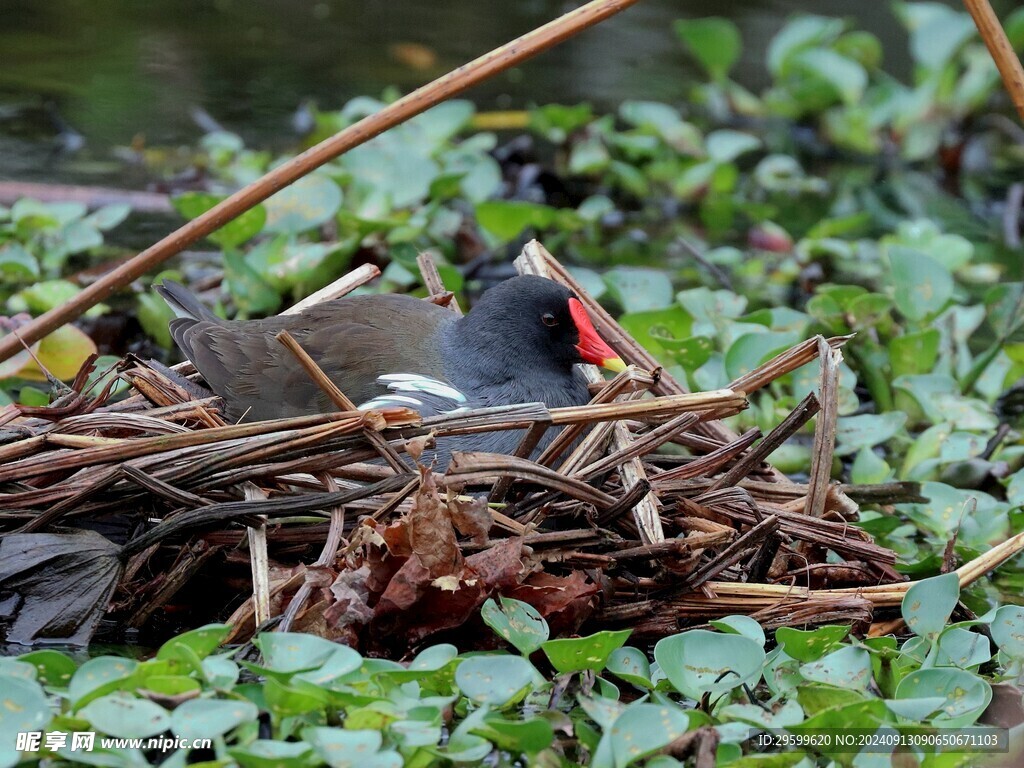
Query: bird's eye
(548, 319)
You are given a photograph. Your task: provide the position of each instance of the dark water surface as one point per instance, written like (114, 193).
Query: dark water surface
(94, 74)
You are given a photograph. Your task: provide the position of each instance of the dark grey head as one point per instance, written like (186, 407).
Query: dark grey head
(527, 318)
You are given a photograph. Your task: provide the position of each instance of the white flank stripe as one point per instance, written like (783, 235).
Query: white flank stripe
(409, 382)
(387, 401)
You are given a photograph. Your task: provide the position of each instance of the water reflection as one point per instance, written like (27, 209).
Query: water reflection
(118, 68)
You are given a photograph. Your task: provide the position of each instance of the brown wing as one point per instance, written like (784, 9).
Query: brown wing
(354, 340)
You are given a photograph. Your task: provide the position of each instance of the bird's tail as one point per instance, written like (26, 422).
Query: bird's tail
(185, 303)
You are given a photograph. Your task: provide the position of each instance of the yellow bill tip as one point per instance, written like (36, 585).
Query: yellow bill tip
(616, 364)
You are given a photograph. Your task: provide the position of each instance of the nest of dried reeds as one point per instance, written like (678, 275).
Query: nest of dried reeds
(646, 512)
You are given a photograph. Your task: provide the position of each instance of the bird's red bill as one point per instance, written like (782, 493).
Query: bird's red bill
(592, 347)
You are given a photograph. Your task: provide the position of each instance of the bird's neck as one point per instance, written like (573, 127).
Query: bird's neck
(485, 355)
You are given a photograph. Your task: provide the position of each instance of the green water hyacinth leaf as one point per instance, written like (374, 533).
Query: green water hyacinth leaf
(415, 733)
(396, 173)
(665, 122)
(870, 310)
(296, 697)
(690, 353)
(494, 680)
(1002, 308)
(782, 672)
(914, 353)
(740, 625)
(866, 430)
(664, 761)
(505, 220)
(915, 709)
(588, 156)
(124, 716)
(433, 658)
(574, 654)
(752, 349)
(517, 736)
(591, 281)
(557, 121)
(639, 290)
(952, 251)
(343, 748)
(14, 668)
(252, 294)
(810, 645)
(1015, 488)
(76, 237)
(815, 698)
(516, 622)
(780, 319)
(868, 468)
(966, 695)
(103, 673)
(602, 711)
(630, 664)
(464, 747)
(865, 713)
(479, 176)
(375, 716)
(23, 708)
(44, 295)
(937, 32)
(207, 718)
(297, 652)
(220, 671)
(270, 753)
(170, 685)
(53, 668)
(309, 202)
(706, 306)
(201, 642)
(713, 41)
(1007, 629)
(444, 121)
(651, 328)
(788, 714)
(154, 314)
(427, 662)
(922, 285)
(848, 667)
(846, 77)
(927, 390)
(699, 661)
(16, 263)
(928, 604)
(109, 216)
(800, 33)
(283, 264)
(693, 183)
(644, 729)
(230, 235)
(959, 647)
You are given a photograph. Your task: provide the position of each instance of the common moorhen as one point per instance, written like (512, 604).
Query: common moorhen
(519, 344)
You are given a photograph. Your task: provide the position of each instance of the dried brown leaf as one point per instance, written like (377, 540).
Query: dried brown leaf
(431, 534)
(351, 600)
(415, 446)
(499, 567)
(471, 517)
(413, 607)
